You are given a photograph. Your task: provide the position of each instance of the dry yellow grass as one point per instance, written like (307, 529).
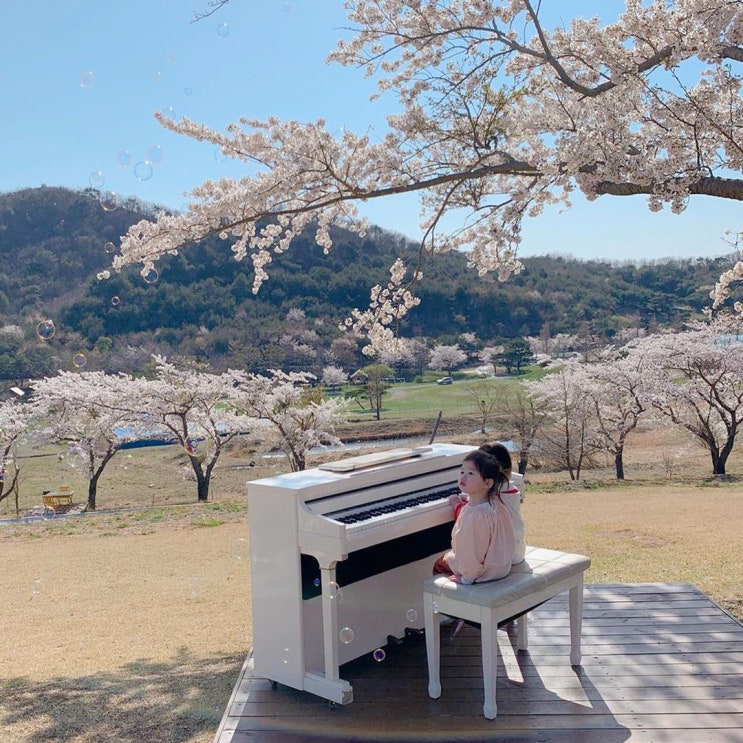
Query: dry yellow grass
(132, 626)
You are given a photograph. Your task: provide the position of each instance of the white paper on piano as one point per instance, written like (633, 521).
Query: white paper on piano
(374, 459)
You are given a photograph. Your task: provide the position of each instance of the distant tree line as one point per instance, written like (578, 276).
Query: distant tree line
(54, 242)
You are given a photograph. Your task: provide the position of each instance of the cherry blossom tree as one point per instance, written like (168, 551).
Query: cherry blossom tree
(198, 409)
(695, 380)
(94, 414)
(16, 418)
(334, 376)
(522, 414)
(503, 108)
(297, 422)
(567, 428)
(445, 357)
(616, 389)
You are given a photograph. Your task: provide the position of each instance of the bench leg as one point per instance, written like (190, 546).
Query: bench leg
(576, 621)
(433, 646)
(489, 639)
(522, 623)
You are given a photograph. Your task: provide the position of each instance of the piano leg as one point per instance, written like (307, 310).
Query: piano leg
(330, 686)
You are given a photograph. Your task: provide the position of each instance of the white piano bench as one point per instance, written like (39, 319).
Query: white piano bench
(541, 576)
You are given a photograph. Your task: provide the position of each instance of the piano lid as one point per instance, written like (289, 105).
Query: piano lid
(376, 458)
(317, 482)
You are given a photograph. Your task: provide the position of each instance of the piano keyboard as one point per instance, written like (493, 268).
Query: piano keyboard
(391, 509)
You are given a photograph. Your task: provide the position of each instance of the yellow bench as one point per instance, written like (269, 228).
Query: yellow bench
(54, 501)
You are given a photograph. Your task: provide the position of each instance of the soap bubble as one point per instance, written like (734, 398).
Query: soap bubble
(241, 549)
(223, 30)
(109, 247)
(411, 615)
(155, 154)
(96, 179)
(108, 201)
(86, 79)
(346, 635)
(143, 170)
(188, 90)
(379, 655)
(150, 275)
(169, 113)
(333, 590)
(115, 301)
(286, 7)
(124, 158)
(157, 77)
(79, 360)
(316, 583)
(46, 329)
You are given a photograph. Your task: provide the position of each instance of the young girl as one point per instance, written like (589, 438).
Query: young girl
(482, 541)
(512, 496)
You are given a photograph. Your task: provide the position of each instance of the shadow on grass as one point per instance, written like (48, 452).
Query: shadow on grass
(172, 702)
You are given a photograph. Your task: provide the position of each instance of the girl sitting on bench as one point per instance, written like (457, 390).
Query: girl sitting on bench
(482, 538)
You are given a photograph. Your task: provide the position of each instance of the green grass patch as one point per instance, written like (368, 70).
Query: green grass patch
(208, 523)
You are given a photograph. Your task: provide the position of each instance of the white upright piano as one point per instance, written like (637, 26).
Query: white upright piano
(338, 555)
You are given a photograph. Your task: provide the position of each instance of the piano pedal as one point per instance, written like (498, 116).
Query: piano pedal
(394, 642)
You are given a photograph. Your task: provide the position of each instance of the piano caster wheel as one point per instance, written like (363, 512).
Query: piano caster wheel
(332, 705)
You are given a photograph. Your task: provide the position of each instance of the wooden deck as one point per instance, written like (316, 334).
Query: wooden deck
(662, 663)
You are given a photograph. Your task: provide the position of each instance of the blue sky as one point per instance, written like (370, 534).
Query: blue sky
(82, 79)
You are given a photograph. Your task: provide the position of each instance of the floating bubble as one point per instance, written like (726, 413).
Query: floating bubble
(143, 170)
(108, 201)
(379, 655)
(286, 7)
(61, 222)
(195, 586)
(188, 90)
(46, 329)
(317, 582)
(223, 30)
(86, 79)
(346, 635)
(150, 275)
(169, 113)
(103, 275)
(109, 247)
(333, 590)
(241, 549)
(155, 154)
(115, 301)
(286, 656)
(157, 77)
(411, 615)
(96, 179)
(219, 156)
(124, 158)
(79, 360)
(36, 588)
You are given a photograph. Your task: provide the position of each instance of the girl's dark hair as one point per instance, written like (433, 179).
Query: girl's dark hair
(489, 468)
(500, 452)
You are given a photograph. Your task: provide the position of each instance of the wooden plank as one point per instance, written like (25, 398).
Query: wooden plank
(661, 664)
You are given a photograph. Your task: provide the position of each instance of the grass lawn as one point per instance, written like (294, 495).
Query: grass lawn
(131, 624)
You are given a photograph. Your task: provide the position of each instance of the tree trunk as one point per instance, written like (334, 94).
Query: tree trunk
(202, 487)
(619, 465)
(92, 491)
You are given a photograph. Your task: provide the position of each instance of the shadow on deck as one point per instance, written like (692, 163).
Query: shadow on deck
(661, 663)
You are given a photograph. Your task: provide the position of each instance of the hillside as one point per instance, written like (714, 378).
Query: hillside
(52, 246)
